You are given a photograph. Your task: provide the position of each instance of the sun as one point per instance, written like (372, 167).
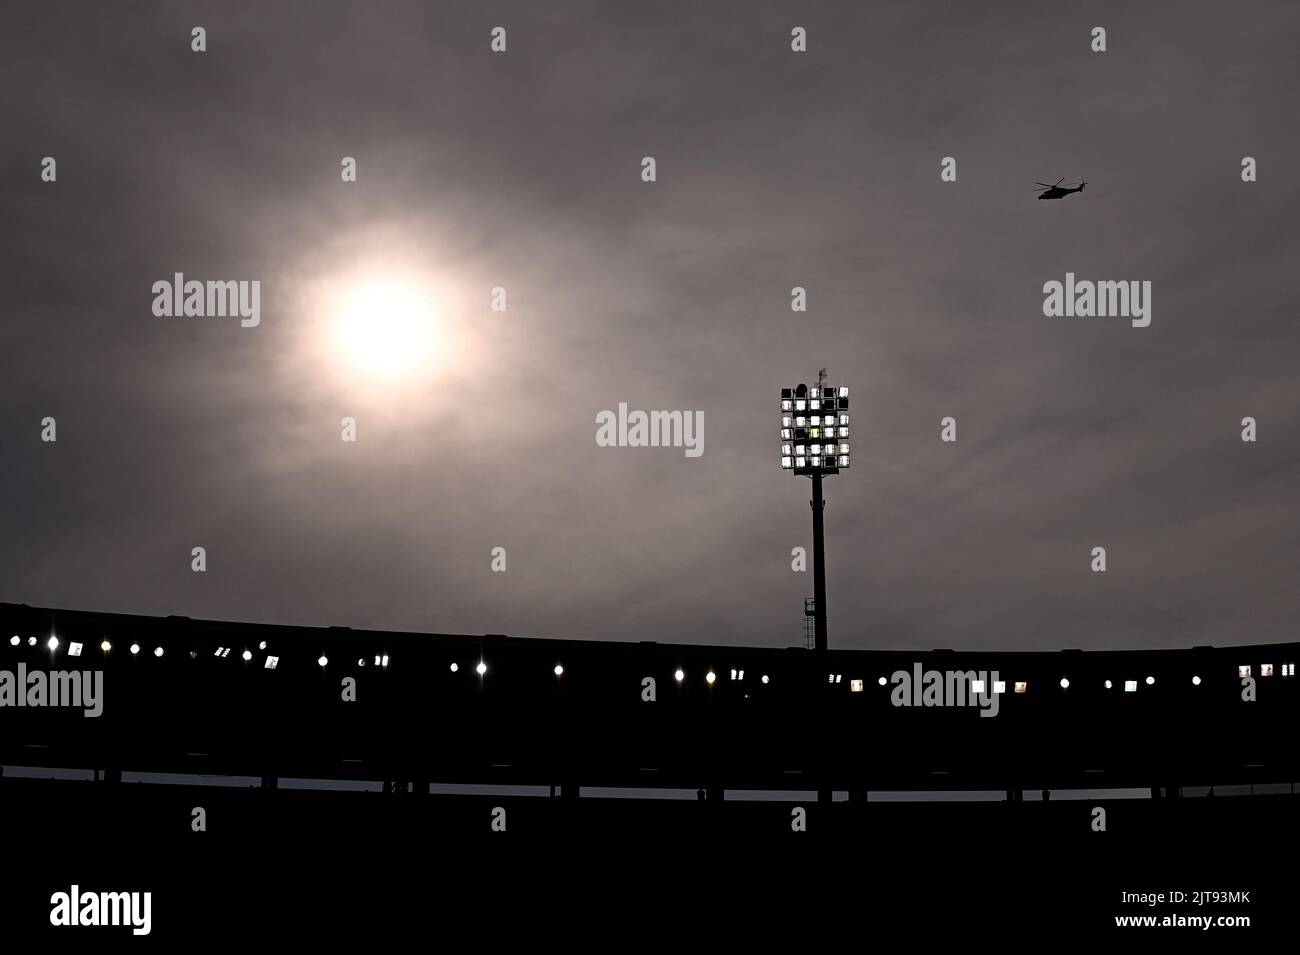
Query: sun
(386, 328)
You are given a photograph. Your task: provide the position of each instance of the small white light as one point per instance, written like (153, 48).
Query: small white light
(1151, 681)
(1022, 686)
(323, 660)
(1065, 683)
(1196, 681)
(855, 686)
(977, 687)
(1108, 684)
(377, 659)
(844, 391)
(559, 670)
(882, 681)
(384, 660)
(1130, 686)
(31, 641)
(157, 651)
(765, 678)
(135, 648)
(53, 643)
(999, 686)
(1266, 669)
(361, 661)
(455, 667)
(1243, 671)
(710, 677)
(733, 674)
(220, 650)
(679, 675)
(74, 649)
(106, 646)
(15, 640)
(272, 662)
(481, 668)
(247, 655)
(742, 674)
(262, 645)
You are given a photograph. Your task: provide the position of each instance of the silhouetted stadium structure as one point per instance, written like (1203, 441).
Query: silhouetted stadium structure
(267, 701)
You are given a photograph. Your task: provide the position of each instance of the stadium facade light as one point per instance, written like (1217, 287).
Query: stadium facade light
(977, 686)
(814, 444)
(1065, 683)
(31, 641)
(455, 667)
(158, 651)
(999, 686)
(1130, 686)
(883, 681)
(1288, 669)
(74, 649)
(679, 675)
(1108, 684)
(383, 661)
(1022, 686)
(53, 643)
(135, 649)
(481, 668)
(1196, 681)
(272, 663)
(765, 680)
(710, 677)
(323, 660)
(247, 655)
(15, 640)
(1266, 669)
(559, 670)
(1243, 671)
(855, 686)
(262, 645)
(106, 646)
(1151, 681)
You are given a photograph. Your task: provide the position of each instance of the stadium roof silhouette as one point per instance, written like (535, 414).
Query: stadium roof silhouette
(268, 701)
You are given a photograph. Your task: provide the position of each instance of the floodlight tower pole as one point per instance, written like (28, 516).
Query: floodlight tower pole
(819, 562)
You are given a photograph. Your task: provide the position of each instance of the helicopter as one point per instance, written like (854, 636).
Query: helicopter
(1057, 191)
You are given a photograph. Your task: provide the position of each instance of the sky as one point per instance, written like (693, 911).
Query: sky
(774, 169)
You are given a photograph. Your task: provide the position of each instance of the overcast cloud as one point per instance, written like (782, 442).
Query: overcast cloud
(774, 170)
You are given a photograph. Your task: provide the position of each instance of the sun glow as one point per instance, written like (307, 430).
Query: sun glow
(386, 327)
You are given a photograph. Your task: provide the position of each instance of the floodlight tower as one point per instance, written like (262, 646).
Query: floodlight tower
(815, 444)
